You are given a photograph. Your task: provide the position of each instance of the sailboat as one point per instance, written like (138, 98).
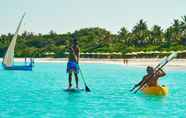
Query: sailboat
(8, 60)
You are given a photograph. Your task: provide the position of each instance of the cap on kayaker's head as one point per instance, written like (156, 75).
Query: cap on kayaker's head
(149, 69)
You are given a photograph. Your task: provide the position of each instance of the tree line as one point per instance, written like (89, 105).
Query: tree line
(95, 39)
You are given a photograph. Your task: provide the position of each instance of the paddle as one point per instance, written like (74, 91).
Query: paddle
(171, 57)
(161, 62)
(86, 87)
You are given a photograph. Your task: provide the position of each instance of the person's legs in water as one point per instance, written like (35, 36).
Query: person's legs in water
(70, 80)
(76, 78)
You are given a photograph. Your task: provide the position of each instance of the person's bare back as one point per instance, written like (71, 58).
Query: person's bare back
(151, 78)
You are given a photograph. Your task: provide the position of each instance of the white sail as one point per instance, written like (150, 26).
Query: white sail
(9, 56)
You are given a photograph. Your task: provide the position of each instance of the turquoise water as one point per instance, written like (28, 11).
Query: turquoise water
(40, 94)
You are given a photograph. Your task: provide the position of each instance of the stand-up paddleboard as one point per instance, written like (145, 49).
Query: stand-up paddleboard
(74, 90)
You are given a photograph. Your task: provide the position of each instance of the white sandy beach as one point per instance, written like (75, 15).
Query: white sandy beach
(176, 63)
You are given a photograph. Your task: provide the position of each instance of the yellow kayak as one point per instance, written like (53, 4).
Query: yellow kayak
(159, 90)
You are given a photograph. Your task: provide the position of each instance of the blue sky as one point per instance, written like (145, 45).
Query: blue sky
(68, 15)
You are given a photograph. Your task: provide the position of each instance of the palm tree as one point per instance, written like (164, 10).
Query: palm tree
(176, 34)
(156, 34)
(168, 35)
(173, 33)
(183, 22)
(123, 35)
(183, 30)
(141, 33)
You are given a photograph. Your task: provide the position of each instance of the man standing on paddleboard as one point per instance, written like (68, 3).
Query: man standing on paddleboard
(73, 60)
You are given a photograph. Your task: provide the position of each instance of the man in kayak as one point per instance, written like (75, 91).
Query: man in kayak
(73, 60)
(151, 79)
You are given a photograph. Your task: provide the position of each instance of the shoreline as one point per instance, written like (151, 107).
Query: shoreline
(138, 62)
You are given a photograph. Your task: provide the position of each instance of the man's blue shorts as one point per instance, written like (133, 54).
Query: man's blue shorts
(72, 66)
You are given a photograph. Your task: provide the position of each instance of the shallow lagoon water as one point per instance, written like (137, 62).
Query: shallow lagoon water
(40, 93)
